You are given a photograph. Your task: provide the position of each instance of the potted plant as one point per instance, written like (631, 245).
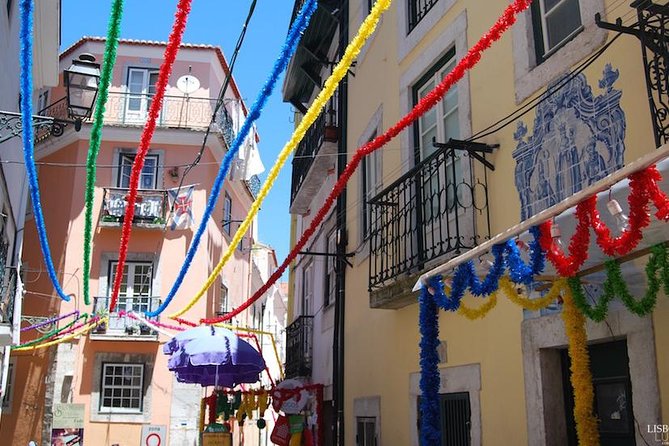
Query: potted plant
(144, 330)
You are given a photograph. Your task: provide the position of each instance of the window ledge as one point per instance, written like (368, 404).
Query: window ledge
(528, 75)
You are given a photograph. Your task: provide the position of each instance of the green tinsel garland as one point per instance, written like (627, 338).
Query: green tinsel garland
(615, 286)
(109, 59)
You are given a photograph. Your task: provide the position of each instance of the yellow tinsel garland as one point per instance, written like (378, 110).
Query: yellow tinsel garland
(581, 378)
(531, 304)
(482, 311)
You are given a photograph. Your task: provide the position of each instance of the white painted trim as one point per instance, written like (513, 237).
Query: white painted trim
(530, 76)
(407, 41)
(548, 332)
(464, 378)
(375, 124)
(369, 407)
(453, 35)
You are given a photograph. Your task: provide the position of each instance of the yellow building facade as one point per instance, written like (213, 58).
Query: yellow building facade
(504, 375)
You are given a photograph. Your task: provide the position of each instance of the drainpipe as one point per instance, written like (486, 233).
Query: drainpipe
(338, 335)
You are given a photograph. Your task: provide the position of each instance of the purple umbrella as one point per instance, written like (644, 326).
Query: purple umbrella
(213, 356)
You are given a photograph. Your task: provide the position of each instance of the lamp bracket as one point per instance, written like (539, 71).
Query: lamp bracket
(10, 126)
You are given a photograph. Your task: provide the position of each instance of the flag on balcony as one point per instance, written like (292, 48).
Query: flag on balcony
(181, 204)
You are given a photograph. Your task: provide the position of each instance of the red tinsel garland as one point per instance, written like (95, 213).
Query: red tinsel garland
(181, 16)
(473, 56)
(578, 246)
(638, 218)
(643, 189)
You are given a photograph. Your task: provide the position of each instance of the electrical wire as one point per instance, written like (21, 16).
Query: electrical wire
(219, 102)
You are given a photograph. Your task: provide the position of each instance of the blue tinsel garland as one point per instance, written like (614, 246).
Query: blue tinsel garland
(430, 419)
(505, 255)
(294, 35)
(26, 58)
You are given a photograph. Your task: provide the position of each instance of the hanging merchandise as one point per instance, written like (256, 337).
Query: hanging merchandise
(338, 72)
(173, 43)
(263, 404)
(108, 61)
(294, 35)
(281, 433)
(473, 56)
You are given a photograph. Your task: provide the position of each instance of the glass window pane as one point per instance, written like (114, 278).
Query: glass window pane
(562, 21)
(451, 126)
(426, 142)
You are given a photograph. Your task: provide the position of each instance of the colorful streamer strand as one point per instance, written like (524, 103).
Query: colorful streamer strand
(430, 421)
(51, 334)
(26, 62)
(581, 377)
(504, 22)
(173, 43)
(50, 321)
(294, 35)
(108, 62)
(532, 304)
(365, 31)
(83, 331)
(615, 286)
(480, 312)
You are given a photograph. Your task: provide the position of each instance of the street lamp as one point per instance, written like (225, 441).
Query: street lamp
(81, 80)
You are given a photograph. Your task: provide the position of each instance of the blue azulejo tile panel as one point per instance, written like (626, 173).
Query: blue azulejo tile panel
(578, 138)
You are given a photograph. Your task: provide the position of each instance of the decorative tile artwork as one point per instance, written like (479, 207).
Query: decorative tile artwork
(578, 139)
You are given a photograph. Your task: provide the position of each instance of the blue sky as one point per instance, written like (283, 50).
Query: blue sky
(216, 22)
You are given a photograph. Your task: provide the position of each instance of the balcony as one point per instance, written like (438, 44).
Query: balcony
(418, 9)
(178, 112)
(299, 345)
(125, 327)
(320, 143)
(150, 208)
(8, 280)
(437, 209)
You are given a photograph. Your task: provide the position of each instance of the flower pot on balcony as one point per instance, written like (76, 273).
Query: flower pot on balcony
(144, 330)
(331, 133)
(130, 330)
(101, 328)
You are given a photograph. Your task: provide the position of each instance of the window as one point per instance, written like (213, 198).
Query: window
(42, 101)
(148, 179)
(365, 434)
(223, 301)
(330, 269)
(440, 124)
(417, 10)
(554, 22)
(227, 213)
(141, 88)
(455, 413)
(122, 387)
(8, 391)
(307, 290)
(372, 181)
(135, 291)
(609, 365)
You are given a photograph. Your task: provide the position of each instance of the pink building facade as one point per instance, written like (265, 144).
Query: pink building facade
(118, 371)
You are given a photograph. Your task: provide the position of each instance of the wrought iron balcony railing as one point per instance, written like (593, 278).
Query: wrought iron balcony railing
(124, 325)
(324, 129)
(418, 9)
(299, 347)
(150, 208)
(132, 109)
(427, 213)
(8, 283)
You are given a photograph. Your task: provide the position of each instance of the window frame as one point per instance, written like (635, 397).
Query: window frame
(145, 97)
(223, 299)
(121, 410)
(372, 166)
(132, 299)
(412, 9)
(365, 421)
(539, 15)
(227, 213)
(308, 289)
(122, 156)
